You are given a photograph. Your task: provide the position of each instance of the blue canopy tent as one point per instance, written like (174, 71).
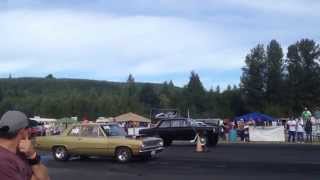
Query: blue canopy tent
(255, 116)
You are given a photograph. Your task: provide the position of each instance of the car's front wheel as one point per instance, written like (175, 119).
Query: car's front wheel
(60, 153)
(123, 154)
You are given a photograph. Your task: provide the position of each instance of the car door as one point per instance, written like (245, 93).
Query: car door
(115, 135)
(92, 141)
(183, 129)
(189, 131)
(164, 130)
(70, 141)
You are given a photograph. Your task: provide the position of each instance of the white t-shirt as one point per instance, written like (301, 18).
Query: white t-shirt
(313, 120)
(300, 126)
(274, 123)
(292, 125)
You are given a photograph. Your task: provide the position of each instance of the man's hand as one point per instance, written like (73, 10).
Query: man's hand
(26, 147)
(39, 171)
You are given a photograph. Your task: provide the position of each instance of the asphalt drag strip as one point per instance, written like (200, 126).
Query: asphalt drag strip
(180, 161)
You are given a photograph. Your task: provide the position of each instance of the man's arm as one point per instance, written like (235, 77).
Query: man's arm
(40, 172)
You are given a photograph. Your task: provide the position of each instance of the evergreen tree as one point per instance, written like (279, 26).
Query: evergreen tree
(303, 74)
(49, 76)
(171, 84)
(274, 72)
(149, 97)
(253, 79)
(131, 85)
(218, 89)
(194, 94)
(165, 96)
(229, 87)
(230, 104)
(129, 99)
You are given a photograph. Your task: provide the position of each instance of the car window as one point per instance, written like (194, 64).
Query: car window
(75, 131)
(165, 124)
(90, 131)
(180, 123)
(185, 123)
(176, 123)
(194, 123)
(114, 130)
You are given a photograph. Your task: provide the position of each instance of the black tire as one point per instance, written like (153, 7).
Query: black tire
(212, 140)
(167, 142)
(123, 154)
(60, 153)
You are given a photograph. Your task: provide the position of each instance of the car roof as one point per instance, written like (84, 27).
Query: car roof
(172, 119)
(107, 123)
(96, 124)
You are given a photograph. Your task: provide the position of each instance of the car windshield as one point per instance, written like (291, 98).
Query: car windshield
(114, 130)
(194, 123)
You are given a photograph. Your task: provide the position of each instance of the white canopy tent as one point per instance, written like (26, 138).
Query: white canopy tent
(43, 120)
(105, 120)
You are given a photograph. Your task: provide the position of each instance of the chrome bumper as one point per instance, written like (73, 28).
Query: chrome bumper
(157, 149)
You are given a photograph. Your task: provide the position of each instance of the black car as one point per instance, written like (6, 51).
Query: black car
(182, 129)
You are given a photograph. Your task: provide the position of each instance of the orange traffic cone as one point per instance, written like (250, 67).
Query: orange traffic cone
(199, 146)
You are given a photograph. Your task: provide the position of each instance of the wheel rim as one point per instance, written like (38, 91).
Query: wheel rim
(123, 155)
(60, 153)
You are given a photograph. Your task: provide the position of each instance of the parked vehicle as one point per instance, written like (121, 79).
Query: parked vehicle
(182, 129)
(98, 140)
(37, 131)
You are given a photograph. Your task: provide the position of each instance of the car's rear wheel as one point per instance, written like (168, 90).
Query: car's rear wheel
(123, 154)
(60, 153)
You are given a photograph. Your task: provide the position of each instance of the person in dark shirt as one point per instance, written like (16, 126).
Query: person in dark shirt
(18, 159)
(226, 129)
(308, 129)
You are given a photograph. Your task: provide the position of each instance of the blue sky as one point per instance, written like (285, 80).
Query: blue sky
(155, 40)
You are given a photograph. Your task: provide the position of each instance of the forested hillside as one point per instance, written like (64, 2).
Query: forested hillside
(271, 82)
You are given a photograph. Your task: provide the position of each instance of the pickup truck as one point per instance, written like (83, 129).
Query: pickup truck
(182, 129)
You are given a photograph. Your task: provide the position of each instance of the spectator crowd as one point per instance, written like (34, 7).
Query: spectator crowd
(298, 129)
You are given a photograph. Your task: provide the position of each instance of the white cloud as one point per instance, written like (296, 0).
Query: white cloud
(290, 7)
(71, 41)
(165, 38)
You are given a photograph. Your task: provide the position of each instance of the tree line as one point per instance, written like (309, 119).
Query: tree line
(281, 85)
(271, 82)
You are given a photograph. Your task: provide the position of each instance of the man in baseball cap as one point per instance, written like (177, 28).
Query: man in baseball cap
(18, 159)
(12, 121)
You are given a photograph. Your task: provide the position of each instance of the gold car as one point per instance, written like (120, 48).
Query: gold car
(98, 140)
